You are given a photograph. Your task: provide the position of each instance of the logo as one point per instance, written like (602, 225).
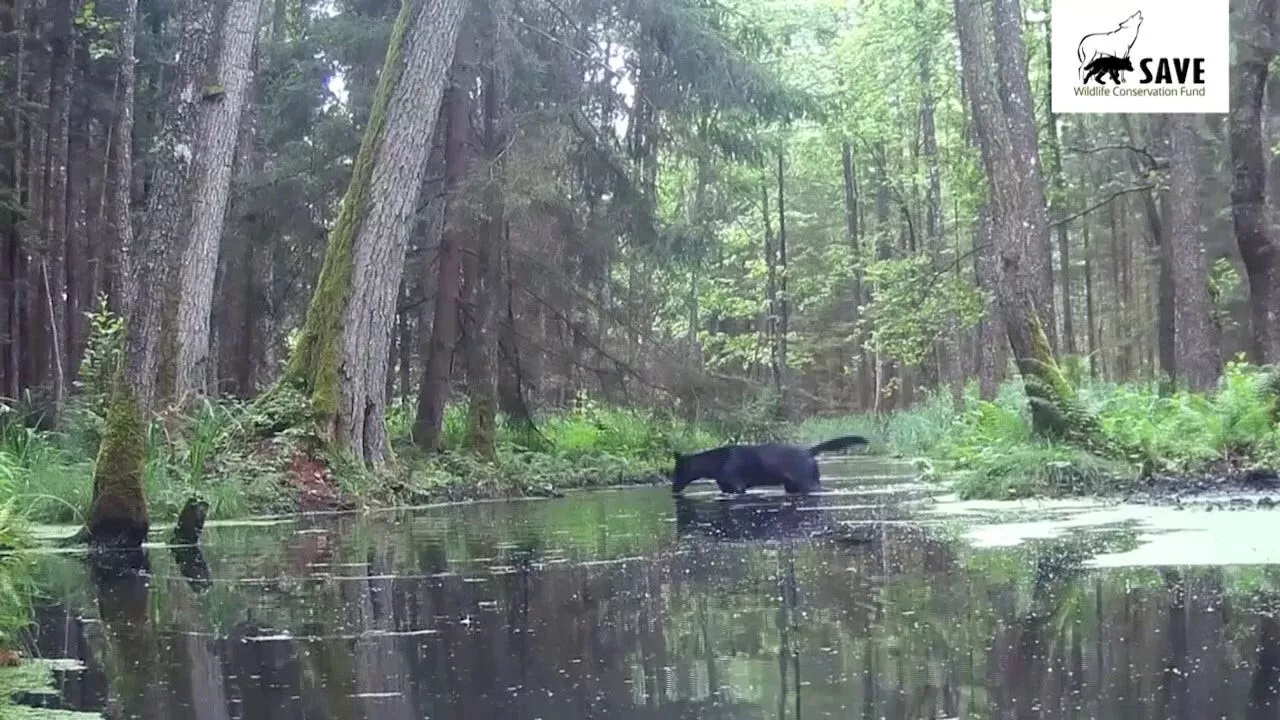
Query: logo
(1108, 52)
(1170, 57)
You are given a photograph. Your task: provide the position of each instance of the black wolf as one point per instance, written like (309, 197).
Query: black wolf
(1107, 65)
(738, 467)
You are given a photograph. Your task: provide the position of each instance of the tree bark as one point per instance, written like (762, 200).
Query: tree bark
(124, 14)
(433, 393)
(784, 301)
(1198, 360)
(168, 205)
(12, 253)
(1249, 210)
(53, 214)
(482, 363)
(215, 149)
(1090, 318)
(341, 358)
(990, 342)
(1019, 251)
(861, 378)
(1064, 239)
(118, 512)
(1017, 100)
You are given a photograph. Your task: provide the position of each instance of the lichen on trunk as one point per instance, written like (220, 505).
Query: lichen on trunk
(340, 359)
(118, 513)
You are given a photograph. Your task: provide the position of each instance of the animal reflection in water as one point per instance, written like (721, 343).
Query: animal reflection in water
(765, 518)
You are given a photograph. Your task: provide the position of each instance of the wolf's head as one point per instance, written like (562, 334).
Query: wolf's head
(1133, 21)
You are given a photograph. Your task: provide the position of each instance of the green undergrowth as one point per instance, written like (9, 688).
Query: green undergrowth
(48, 473)
(239, 457)
(989, 449)
(589, 445)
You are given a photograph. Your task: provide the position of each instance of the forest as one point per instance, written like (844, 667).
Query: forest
(291, 253)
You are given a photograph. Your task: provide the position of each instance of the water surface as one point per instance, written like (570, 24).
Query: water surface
(862, 602)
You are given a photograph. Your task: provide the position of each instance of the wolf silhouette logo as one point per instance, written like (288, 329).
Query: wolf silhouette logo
(1108, 53)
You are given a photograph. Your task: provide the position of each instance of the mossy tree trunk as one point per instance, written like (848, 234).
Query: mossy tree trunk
(1017, 103)
(341, 357)
(118, 512)
(1019, 274)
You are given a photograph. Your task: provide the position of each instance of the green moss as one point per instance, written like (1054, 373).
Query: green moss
(119, 497)
(1056, 412)
(314, 366)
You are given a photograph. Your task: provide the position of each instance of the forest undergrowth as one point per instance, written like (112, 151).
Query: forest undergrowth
(1227, 439)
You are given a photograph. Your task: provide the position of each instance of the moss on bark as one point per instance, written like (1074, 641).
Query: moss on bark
(315, 366)
(1056, 412)
(118, 514)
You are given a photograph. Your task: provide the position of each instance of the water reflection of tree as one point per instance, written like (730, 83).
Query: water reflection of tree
(911, 625)
(121, 585)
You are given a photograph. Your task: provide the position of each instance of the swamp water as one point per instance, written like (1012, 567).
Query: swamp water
(875, 599)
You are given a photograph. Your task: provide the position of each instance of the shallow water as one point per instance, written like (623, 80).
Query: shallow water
(871, 600)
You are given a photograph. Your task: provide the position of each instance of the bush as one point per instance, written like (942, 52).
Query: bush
(991, 446)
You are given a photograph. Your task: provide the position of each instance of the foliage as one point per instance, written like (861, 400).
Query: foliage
(15, 573)
(991, 446)
(915, 305)
(101, 356)
(590, 445)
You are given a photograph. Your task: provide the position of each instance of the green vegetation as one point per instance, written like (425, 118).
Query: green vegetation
(994, 453)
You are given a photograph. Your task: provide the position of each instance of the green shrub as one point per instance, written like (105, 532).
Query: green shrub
(996, 455)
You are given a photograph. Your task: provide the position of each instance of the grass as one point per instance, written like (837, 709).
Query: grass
(217, 452)
(991, 452)
(589, 445)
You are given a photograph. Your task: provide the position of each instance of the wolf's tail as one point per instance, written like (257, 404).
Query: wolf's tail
(839, 443)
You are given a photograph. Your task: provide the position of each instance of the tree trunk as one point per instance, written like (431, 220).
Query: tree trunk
(434, 390)
(118, 512)
(215, 148)
(1019, 245)
(990, 342)
(1064, 240)
(482, 363)
(1198, 361)
(84, 146)
(124, 14)
(1249, 209)
(53, 216)
(12, 170)
(168, 204)
(1155, 225)
(771, 291)
(1090, 319)
(34, 328)
(784, 302)
(238, 308)
(1017, 100)
(341, 357)
(861, 378)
